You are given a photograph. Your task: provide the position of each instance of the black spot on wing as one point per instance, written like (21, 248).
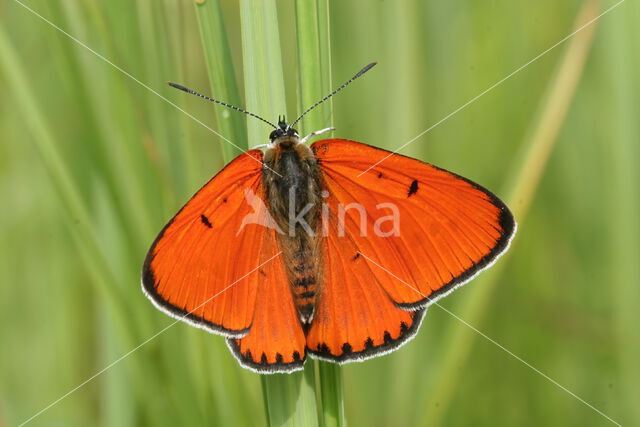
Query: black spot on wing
(323, 348)
(206, 221)
(403, 328)
(413, 189)
(387, 338)
(346, 348)
(368, 344)
(356, 256)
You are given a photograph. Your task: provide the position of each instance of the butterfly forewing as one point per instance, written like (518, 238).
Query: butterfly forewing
(448, 228)
(188, 272)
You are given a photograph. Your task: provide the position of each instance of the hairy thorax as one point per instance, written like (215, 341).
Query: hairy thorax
(293, 188)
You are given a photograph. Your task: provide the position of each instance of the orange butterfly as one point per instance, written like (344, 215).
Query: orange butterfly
(302, 250)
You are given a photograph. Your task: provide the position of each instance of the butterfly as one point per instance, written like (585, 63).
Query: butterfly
(333, 250)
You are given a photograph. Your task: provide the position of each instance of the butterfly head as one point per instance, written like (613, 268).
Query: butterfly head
(283, 132)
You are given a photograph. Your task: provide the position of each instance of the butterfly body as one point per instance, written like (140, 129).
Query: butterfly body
(292, 181)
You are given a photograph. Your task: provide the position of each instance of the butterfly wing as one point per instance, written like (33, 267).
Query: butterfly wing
(212, 260)
(447, 230)
(354, 317)
(188, 272)
(275, 342)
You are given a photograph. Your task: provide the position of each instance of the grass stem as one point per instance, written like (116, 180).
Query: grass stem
(289, 398)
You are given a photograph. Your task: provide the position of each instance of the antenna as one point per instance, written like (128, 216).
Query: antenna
(361, 72)
(193, 92)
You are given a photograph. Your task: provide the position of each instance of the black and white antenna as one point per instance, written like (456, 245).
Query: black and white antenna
(358, 74)
(193, 92)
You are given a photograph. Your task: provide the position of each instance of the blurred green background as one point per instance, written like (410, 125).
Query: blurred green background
(92, 164)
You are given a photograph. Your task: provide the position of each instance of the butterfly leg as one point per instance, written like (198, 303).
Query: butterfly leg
(318, 132)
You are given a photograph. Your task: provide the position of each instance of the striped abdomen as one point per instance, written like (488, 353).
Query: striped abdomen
(292, 180)
(304, 285)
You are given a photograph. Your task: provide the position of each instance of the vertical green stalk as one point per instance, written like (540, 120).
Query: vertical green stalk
(263, 78)
(314, 81)
(289, 399)
(231, 125)
(314, 62)
(526, 178)
(331, 394)
(222, 75)
(624, 252)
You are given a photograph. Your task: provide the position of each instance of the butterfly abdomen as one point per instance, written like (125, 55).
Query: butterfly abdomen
(304, 285)
(292, 182)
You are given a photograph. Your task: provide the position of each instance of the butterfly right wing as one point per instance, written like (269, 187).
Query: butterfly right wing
(203, 266)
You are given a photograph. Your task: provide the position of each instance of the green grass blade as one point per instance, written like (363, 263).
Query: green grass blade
(231, 124)
(622, 179)
(314, 63)
(289, 399)
(330, 382)
(526, 178)
(314, 82)
(263, 77)
(221, 76)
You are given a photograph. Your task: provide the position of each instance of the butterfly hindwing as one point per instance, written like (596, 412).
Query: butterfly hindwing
(275, 342)
(354, 319)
